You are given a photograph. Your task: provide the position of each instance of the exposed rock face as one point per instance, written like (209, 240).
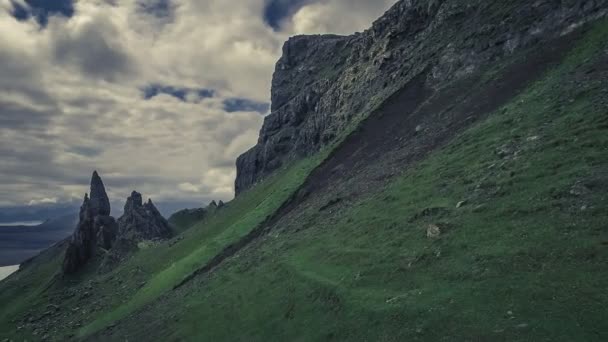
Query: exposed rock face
(324, 83)
(142, 221)
(95, 229)
(99, 202)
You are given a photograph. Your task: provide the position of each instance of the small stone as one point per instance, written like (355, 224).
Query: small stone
(419, 129)
(522, 326)
(479, 208)
(433, 231)
(583, 208)
(579, 189)
(461, 204)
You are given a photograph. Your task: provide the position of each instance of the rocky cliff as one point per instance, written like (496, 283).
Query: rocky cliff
(324, 83)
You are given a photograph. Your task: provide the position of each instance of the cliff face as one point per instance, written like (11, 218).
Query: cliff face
(322, 83)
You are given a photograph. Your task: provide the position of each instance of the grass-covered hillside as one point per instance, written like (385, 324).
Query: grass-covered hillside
(475, 212)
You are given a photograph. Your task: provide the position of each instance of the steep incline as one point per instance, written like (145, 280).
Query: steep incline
(324, 83)
(459, 193)
(498, 234)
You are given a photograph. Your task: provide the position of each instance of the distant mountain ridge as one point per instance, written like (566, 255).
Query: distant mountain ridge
(19, 243)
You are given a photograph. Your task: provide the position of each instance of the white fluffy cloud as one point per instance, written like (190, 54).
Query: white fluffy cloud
(71, 96)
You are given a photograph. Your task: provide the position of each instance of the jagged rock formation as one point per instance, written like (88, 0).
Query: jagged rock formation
(323, 83)
(142, 221)
(96, 228)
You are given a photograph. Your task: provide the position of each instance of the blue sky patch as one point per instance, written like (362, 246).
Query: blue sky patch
(180, 93)
(42, 9)
(157, 8)
(245, 105)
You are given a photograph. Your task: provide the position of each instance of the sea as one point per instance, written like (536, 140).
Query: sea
(20, 223)
(5, 271)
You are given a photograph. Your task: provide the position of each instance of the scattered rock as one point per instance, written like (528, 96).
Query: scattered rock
(479, 208)
(522, 326)
(505, 151)
(579, 189)
(461, 204)
(533, 138)
(433, 231)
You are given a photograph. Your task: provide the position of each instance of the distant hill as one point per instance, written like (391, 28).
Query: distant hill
(19, 243)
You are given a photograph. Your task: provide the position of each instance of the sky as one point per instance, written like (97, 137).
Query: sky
(157, 95)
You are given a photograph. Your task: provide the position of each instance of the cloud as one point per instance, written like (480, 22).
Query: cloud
(158, 95)
(52, 200)
(276, 12)
(245, 105)
(184, 94)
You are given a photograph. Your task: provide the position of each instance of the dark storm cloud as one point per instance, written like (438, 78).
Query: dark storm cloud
(95, 50)
(157, 8)
(245, 105)
(276, 11)
(180, 93)
(42, 9)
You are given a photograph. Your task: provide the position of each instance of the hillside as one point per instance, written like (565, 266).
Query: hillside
(441, 176)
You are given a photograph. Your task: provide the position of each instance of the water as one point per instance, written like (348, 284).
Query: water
(5, 271)
(21, 223)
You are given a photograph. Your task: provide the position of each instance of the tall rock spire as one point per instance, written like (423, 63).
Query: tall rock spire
(95, 229)
(100, 203)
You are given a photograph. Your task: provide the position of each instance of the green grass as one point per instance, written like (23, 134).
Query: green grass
(202, 242)
(523, 260)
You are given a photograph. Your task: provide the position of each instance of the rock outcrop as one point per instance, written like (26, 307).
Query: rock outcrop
(324, 83)
(95, 229)
(142, 221)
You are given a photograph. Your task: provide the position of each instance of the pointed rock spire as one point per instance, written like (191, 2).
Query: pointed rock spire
(142, 221)
(100, 203)
(134, 201)
(96, 228)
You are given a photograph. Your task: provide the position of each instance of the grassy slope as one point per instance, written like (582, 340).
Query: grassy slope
(147, 274)
(523, 260)
(520, 261)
